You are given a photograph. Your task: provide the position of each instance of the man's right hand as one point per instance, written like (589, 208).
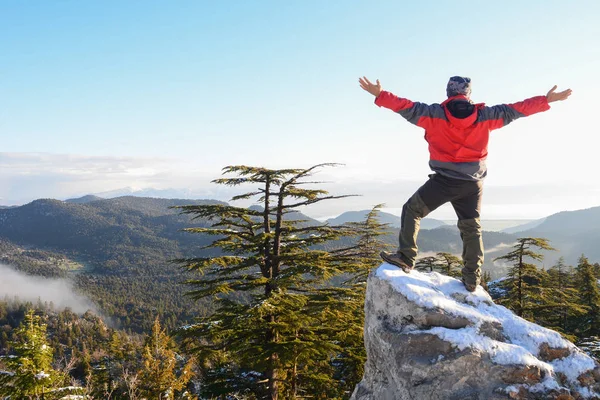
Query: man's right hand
(554, 96)
(372, 88)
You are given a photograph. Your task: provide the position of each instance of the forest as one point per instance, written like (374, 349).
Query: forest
(277, 307)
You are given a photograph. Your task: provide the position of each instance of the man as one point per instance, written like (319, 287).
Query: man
(457, 131)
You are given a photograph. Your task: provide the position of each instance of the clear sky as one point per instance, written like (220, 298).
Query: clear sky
(101, 95)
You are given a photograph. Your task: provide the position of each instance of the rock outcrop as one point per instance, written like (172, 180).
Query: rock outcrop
(427, 338)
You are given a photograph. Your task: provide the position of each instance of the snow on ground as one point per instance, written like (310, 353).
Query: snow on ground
(436, 291)
(41, 375)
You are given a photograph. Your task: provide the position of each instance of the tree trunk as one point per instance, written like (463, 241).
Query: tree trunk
(520, 291)
(272, 374)
(268, 269)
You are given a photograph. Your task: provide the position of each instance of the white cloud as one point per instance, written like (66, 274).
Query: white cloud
(30, 288)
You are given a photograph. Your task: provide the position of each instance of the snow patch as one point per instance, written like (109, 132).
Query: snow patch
(436, 291)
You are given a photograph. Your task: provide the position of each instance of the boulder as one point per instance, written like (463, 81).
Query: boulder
(427, 338)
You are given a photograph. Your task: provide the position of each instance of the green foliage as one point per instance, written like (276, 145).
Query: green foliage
(118, 252)
(445, 263)
(161, 376)
(563, 302)
(525, 292)
(589, 293)
(591, 345)
(269, 284)
(30, 372)
(563, 298)
(449, 265)
(346, 302)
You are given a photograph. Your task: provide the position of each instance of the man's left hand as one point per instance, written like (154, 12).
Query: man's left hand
(554, 96)
(373, 88)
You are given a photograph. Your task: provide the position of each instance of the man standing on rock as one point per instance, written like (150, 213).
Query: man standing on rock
(457, 131)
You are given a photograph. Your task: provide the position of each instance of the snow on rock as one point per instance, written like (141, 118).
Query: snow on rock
(428, 338)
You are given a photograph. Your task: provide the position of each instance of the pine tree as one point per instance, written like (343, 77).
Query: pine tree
(486, 278)
(160, 377)
(597, 271)
(589, 294)
(445, 263)
(427, 264)
(524, 289)
(361, 259)
(563, 303)
(591, 345)
(268, 285)
(30, 373)
(450, 264)
(365, 254)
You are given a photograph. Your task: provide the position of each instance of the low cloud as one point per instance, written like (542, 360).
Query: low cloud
(30, 288)
(499, 248)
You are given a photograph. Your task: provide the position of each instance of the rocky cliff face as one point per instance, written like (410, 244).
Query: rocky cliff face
(428, 338)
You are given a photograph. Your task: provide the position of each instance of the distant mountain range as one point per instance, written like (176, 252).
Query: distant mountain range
(148, 192)
(573, 233)
(128, 236)
(384, 218)
(85, 199)
(524, 227)
(98, 227)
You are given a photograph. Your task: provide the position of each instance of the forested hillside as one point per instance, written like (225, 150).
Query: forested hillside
(119, 251)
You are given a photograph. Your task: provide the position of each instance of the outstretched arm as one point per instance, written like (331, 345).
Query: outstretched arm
(410, 110)
(503, 114)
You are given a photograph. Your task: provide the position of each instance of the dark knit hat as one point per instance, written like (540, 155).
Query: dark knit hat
(459, 85)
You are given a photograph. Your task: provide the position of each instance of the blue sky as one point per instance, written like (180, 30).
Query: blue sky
(99, 95)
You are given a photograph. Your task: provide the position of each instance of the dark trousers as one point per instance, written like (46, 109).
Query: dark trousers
(465, 197)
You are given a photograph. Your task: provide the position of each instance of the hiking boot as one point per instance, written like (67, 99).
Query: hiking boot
(469, 286)
(395, 259)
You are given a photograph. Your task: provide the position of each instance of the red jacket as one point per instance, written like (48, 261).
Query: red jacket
(454, 141)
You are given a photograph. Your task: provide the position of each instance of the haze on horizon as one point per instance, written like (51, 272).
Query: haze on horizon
(99, 96)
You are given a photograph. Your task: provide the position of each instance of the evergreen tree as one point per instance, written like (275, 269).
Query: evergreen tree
(564, 300)
(159, 377)
(524, 289)
(365, 254)
(597, 271)
(591, 345)
(268, 284)
(450, 265)
(427, 264)
(589, 294)
(349, 316)
(30, 374)
(486, 277)
(445, 263)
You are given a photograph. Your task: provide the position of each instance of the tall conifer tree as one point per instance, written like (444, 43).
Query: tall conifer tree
(349, 321)
(30, 373)
(267, 285)
(524, 288)
(161, 376)
(589, 294)
(563, 304)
